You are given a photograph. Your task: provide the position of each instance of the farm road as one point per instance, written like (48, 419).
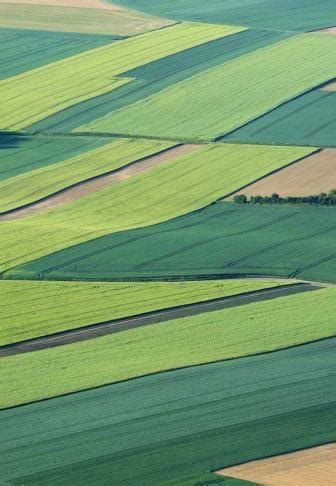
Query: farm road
(157, 317)
(97, 183)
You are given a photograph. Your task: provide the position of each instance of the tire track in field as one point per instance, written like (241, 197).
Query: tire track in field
(157, 317)
(94, 184)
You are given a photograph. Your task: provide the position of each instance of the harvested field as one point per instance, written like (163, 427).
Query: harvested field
(58, 184)
(204, 338)
(177, 187)
(312, 175)
(269, 404)
(311, 467)
(217, 101)
(87, 16)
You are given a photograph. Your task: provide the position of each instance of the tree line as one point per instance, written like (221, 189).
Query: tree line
(322, 199)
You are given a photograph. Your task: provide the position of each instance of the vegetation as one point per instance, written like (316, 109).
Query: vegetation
(217, 101)
(30, 97)
(33, 309)
(322, 199)
(222, 239)
(37, 184)
(302, 15)
(306, 120)
(214, 336)
(183, 185)
(276, 408)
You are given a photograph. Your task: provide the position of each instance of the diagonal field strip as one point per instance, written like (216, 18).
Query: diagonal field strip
(34, 95)
(111, 327)
(96, 183)
(219, 100)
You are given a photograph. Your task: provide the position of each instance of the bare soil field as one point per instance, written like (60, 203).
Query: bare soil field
(81, 16)
(329, 86)
(100, 4)
(310, 467)
(312, 175)
(329, 30)
(96, 184)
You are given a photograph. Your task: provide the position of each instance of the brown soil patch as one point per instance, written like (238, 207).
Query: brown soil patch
(311, 467)
(93, 185)
(329, 86)
(329, 30)
(99, 4)
(312, 175)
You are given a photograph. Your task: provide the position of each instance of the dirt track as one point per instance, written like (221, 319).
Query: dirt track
(311, 467)
(312, 175)
(111, 327)
(96, 184)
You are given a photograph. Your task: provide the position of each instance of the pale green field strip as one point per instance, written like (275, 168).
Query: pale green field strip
(40, 183)
(177, 187)
(64, 18)
(36, 94)
(215, 336)
(31, 309)
(219, 100)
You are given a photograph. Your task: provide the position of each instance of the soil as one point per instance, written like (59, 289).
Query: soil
(312, 175)
(98, 4)
(84, 188)
(310, 467)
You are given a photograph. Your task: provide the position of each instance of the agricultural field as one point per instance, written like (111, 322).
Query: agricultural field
(219, 100)
(222, 239)
(312, 175)
(185, 184)
(157, 328)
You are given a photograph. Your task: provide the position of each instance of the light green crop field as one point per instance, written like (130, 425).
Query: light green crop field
(37, 184)
(180, 186)
(116, 21)
(214, 336)
(217, 101)
(31, 309)
(36, 94)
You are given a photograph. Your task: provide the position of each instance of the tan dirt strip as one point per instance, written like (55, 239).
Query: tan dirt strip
(312, 175)
(95, 184)
(331, 87)
(310, 467)
(329, 30)
(98, 4)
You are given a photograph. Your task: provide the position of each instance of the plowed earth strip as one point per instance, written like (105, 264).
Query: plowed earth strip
(118, 325)
(95, 184)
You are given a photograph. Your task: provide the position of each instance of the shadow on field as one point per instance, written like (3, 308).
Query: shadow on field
(11, 139)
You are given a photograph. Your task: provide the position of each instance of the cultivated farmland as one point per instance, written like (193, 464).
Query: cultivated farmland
(185, 184)
(214, 336)
(161, 438)
(153, 331)
(221, 99)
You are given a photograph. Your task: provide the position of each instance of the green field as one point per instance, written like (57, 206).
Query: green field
(185, 184)
(20, 154)
(307, 120)
(23, 50)
(30, 97)
(222, 239)
(219, 100)
(157, 75)
(209, 424)
(273, 14)
(213, 336)
(33, 309)
(40, 183)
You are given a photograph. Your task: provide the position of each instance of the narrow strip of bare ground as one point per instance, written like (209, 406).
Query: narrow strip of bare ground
(97, 183)
(157, 317)
(309, 467)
